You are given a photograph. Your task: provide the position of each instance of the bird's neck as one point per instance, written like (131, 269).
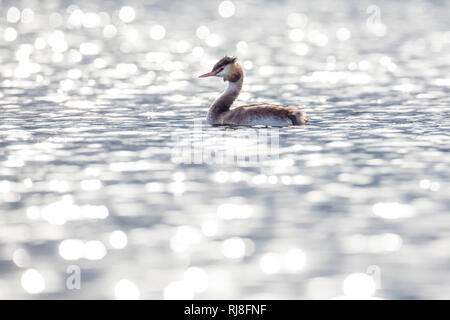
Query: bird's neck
(223, 103)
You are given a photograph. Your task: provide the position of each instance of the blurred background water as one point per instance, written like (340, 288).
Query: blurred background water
(356, 204)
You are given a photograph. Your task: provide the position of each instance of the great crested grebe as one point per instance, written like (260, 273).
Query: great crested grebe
(250, 115)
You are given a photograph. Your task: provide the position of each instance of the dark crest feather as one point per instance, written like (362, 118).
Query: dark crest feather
(223, 62)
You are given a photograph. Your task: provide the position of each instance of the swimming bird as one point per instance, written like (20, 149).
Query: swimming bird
(249, 115)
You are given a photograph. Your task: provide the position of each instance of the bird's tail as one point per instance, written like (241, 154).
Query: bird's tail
(300, 118)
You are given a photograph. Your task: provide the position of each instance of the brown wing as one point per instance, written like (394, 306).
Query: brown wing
(246, 113)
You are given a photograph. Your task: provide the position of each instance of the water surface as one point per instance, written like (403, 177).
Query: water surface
(95, 96)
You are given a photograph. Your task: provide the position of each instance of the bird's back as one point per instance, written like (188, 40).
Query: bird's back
(264, 114)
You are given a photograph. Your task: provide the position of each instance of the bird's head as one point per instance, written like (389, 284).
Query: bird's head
(227, 68)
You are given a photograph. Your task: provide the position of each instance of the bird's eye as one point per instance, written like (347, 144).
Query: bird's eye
(220, 70)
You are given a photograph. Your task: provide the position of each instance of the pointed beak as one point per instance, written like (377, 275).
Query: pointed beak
(209, 74)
